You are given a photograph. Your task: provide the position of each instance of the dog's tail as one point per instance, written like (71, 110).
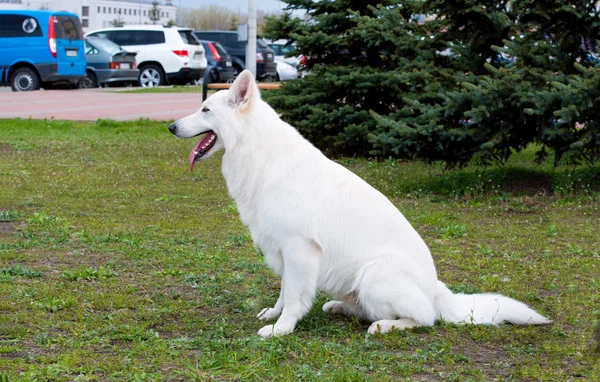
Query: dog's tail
(484, 308)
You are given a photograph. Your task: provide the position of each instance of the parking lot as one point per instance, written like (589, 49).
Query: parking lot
(94, 104)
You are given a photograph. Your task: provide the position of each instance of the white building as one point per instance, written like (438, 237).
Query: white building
(96, 14)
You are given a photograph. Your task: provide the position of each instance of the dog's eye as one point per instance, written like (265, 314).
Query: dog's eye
(205, 109)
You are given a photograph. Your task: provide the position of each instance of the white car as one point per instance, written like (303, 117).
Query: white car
(281, 50)
(286, 71)
(165, 55)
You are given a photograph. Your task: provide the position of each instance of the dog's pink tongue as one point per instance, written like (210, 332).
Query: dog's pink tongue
(193, 153)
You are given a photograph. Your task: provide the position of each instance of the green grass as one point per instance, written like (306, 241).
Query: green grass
(117, 263)
(167, 89)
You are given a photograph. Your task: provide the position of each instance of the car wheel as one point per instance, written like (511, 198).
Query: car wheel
(236, 73)
(151, 76)
(89, 82)
(24, 79)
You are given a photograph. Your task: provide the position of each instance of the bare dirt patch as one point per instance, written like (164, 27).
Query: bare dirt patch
(534, 186)
(56, 262)
(6, 148)
(491, 359)
(524, 205)
(27, 350)
(7, 228)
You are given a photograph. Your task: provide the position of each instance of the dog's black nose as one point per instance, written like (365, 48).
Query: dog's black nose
(173, 127)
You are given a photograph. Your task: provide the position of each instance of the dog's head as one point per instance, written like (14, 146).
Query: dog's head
(221, 118)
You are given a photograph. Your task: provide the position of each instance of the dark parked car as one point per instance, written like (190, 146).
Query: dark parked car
(266, 69)
(220, 60)
(108, 63)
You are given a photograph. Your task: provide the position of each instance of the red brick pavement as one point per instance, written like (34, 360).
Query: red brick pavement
(94, 104)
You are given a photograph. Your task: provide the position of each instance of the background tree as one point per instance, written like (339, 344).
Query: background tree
(118, 22)
(348, 77)
(216, 17)
(154, 13)
(483, 79)
(234, 20)
(212, 17)
(475, 113)
(557, 46)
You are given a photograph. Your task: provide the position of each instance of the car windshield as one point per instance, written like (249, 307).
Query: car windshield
(188, 37)
(290, 49)
(260, 42)
(105, 45)
(67, 27)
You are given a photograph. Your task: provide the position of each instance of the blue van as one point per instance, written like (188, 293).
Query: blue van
(40, 48)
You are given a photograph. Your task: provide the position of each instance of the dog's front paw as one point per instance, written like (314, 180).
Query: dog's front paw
(268, 313)
(274, 331)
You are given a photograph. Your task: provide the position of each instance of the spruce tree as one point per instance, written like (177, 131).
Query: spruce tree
(349, 66)
(557, 46)
(482, 79)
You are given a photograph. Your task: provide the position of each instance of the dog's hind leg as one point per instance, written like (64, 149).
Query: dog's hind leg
(392, 298)
(340, 307)
(347, 307)
(301, 263)
(401, 306)
(385, 326)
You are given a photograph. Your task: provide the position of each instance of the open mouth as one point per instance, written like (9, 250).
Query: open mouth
(202, 147)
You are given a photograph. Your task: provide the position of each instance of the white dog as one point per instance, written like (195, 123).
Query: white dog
(322, 227)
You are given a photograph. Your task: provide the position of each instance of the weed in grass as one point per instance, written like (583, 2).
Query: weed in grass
(54, 304)
(5, 278)
(9, 216)
(453, 231)
(28, 293)
(231, 209)
(239, 240)
(87, 273)
(484, 250)
(20, 271)
(170, 272)
(52, 372)
(42, 339)
(574, 250)
(9, 349)
(466, 289)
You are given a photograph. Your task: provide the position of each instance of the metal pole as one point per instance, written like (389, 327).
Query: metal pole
(251, 47)
(179, 20)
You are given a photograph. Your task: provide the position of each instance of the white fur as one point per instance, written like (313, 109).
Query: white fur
(322, 227)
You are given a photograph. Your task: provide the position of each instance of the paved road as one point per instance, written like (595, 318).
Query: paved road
(94, 104)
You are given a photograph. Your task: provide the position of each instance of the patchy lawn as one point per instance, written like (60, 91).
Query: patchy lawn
(166, 89)
(117, 263)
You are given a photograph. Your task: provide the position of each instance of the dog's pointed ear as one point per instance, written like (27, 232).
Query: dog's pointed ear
(244, 91)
